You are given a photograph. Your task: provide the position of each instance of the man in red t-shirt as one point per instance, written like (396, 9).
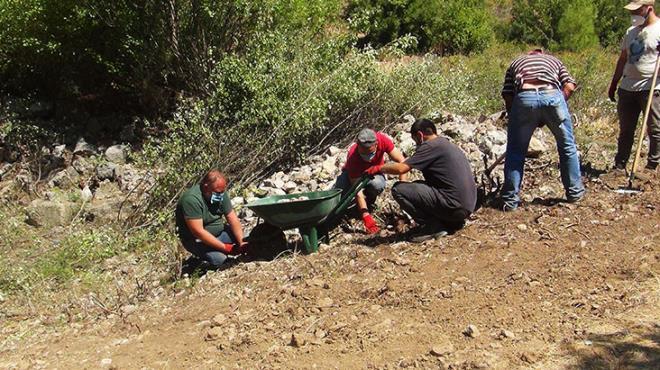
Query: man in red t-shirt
(368, 150)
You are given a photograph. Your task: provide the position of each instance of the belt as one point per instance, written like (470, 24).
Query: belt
(540, 88)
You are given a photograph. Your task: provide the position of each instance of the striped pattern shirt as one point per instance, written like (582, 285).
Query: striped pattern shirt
(541, 67)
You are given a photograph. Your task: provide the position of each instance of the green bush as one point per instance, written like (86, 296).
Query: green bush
(538, 22)
(444, 26)
(142, 50)
(576, 27)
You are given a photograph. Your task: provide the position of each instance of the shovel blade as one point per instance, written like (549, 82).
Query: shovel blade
(628, 191)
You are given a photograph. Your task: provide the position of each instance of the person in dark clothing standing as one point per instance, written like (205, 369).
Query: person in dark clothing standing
(446, 197)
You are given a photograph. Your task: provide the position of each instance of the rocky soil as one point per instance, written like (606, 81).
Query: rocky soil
(551, 286)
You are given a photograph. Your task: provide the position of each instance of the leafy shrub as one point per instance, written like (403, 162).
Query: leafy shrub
(445, 26)
(538, 21)
(576, 27)
(141, 50)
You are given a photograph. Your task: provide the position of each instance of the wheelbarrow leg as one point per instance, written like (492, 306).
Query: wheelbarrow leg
(310, 239)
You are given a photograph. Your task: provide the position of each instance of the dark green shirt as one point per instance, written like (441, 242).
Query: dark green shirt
(193, 205)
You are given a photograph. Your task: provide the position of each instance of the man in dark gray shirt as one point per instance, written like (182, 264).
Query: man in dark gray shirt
(448, 195)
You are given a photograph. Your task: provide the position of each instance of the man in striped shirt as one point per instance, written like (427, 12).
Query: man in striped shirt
(536, 88)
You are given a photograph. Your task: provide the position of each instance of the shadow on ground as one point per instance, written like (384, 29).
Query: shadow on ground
(623, 350)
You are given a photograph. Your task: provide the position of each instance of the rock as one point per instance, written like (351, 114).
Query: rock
(329, 167)
(522, 227)
(274, 183)
(106, 203)
(84, 148)
(536, 148)
(276, 191)
(471, 331)
(290, 187)
(529, 357)
(507, 334)
(442, 349)
(324, 302)
(65, 178)
(333, 151)
(238, 201)
(297, 340)
(82, 165)
(218, 320)
(459, 131)
(106, 171)
(42, 213)
(128, 309)
(59, 151)
(117, 154)
(86, 194)
(106, 362)
(214, 333)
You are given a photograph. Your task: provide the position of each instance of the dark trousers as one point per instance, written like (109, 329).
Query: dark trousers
(426, 205)
(631, 105)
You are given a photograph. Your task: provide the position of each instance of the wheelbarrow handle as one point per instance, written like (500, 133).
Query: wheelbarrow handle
(347, 199)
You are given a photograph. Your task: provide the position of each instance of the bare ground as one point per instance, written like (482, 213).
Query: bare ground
(549, 286)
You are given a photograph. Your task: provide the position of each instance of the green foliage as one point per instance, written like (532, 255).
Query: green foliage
(576, 27)
(538, 22)
(446, 26)
(611, 21)
(141, 50)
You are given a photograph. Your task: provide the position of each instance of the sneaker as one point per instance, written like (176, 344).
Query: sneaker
(428, 232)
(577, 199)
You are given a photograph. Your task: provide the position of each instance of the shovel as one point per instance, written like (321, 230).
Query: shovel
(630, 189)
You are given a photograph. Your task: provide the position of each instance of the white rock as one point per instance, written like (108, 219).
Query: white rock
(116, 154)
(86, 194)
(471, 331)
(333, 151)
(290, 186)
(238, 201)
(106, 362)
(58, 151)
(84, 148)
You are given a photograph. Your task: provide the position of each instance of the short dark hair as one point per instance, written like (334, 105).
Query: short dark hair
(426, 126)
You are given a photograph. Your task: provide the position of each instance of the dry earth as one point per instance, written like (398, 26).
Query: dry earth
(551, 286)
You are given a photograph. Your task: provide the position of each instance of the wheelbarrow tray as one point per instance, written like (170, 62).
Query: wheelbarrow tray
(296, 213)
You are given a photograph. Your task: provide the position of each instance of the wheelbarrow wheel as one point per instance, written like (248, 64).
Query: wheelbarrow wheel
(266, 242)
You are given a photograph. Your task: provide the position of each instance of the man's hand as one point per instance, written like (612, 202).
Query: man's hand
(237, 249)
(612, 93)
(373, 170)
(370, 225)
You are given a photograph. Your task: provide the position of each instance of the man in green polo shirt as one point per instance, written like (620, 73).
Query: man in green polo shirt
(199, 221)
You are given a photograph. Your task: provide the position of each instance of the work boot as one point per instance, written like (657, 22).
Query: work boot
(428, 232)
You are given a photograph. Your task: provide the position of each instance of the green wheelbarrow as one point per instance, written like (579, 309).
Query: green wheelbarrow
(314, 214)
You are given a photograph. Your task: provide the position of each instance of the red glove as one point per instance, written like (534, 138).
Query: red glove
(370, 225)
(236, 249)
(374, 170)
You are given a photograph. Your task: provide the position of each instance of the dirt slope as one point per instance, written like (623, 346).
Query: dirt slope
(548, 286)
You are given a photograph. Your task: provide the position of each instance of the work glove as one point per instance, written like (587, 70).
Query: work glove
(373, 170)
(370, 225)
(237, 249)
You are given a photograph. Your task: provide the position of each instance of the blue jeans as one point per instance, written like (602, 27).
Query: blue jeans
(373, 189)
(531, 109)
(209, 254)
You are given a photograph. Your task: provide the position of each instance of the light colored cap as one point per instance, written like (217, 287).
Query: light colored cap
(366, 138)
(636, 4)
